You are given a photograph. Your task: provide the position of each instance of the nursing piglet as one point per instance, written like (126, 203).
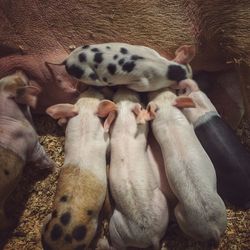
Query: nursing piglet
(140, 217)
(82, 183)
(18, 139)
(230, 159)
(139, 67)
(200, 212)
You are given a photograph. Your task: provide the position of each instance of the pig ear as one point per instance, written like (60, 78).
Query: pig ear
(109, 120)
(184, 102)
(141, 114)
(184, 54)
(62, 112)
(107, 109)
(27, 95)
(152, 109)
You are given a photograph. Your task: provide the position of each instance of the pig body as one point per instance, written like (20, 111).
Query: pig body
(82, 183)
(141, 215)
(56, 85)
(138, 67)
(200, 212)
(18, 139)
(229, 157)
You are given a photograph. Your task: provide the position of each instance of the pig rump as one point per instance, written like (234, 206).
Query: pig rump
(230, 159)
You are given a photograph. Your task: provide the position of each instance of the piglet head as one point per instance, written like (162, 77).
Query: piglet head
(62, 112)
(16, 87)
(142, 116)
(108, 110)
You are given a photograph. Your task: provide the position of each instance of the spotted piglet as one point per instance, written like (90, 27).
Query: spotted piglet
(140, 217)
(200, 212)
(18, 139)
(139, 67)
(230, 158)
(82, 183)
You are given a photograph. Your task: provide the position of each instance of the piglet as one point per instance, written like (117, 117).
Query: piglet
(82, 183)
(200, 212)
(139, 67)
(229, 157)
(140, 217)
(18, 139)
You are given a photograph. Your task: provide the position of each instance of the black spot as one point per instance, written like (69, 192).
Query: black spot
(54, 214)
(111, 68)
(68, 238)
(115, 57)
(176, 73)
(65, 218)
(110, 83)
(93, 76)
(64, 198)
(124, 51)
(108, 47)
(79, 232)
(82, 57)
(95, 50)
(75, 71)
(135, 57)
(96, 66)
(80, 247)
(45, 245)
(98, 57)
(85, 47)
(105, 79)
(56, 232)
(128, 66)
(121, 61)
(6, 172)
(89, 212)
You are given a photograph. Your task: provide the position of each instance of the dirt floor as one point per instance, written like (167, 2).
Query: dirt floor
(33, 198)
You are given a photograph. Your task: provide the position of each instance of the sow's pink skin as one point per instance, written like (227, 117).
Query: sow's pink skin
(18, 139)
(82, 183)
(200, 212)
(140, 217)
(139, 67)
(229, 157)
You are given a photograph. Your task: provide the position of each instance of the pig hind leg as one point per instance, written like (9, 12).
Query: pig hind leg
(200, 229)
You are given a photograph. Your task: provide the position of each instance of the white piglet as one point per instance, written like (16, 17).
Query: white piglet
(140, 217)
(200, 212)
(82, 183)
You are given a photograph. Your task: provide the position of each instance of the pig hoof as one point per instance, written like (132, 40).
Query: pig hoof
(103, 244)
(163, 246)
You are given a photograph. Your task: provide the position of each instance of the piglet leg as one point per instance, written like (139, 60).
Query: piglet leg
(103, 244)
(40, 158)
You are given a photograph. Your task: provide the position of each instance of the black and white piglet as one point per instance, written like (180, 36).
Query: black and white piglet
(139, 67)
(230, 159)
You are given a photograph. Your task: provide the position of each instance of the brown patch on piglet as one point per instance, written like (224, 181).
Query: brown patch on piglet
(79, 199)
(11, 168)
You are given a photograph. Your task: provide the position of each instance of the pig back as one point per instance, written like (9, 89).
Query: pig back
(18, 136)
(230, 158)
(11, 168)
